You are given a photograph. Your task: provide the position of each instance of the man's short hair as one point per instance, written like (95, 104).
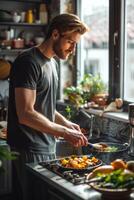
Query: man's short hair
(68, 23)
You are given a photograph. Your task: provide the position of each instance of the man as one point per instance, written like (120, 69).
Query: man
(33, 122)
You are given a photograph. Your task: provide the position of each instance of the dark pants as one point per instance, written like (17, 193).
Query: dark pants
(23, 185)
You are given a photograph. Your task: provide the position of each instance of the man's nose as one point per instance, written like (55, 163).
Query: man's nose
(73, 48)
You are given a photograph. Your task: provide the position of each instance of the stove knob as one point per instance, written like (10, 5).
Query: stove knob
(76, 175)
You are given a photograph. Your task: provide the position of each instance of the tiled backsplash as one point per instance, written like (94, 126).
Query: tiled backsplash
(102, 125)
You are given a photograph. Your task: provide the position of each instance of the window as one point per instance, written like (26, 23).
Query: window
(129, 52)
(94, 44)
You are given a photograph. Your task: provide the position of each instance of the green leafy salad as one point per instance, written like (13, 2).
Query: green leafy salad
(118, 179)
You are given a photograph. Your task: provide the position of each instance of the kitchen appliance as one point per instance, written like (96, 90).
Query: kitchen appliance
(75, 176)
(131, 121)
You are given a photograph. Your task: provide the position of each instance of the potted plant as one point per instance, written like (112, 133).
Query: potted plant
(91, 88)
(74, 95)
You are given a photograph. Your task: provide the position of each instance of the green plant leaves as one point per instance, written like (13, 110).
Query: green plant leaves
(88, 87)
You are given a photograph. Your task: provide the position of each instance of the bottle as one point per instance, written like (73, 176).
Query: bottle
(29, 17)
(43, 14)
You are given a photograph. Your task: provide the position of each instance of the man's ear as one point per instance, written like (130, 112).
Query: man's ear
(55, 34)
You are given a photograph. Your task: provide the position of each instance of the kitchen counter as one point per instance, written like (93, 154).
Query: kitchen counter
(64, 189)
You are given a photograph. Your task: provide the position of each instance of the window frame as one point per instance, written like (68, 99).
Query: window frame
(116, 49)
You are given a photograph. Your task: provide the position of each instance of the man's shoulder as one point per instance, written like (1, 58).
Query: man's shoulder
(26, 54)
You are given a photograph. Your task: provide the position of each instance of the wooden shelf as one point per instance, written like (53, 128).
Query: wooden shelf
(10, 51)
(22, 24)
(27, 1)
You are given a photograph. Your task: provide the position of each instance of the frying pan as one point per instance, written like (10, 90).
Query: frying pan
(90, 168)
(108, 157)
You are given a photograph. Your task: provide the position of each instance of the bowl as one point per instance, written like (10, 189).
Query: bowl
(18, 43)
(16, 18)
(39, 40)
(113, 194)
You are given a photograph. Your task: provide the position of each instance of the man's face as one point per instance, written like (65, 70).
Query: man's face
(65, 44)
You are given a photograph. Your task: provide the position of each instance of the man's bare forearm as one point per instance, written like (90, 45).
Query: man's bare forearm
(60, 119)
(39, 122)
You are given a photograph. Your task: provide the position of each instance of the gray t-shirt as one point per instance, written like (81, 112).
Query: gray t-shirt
(34, 71)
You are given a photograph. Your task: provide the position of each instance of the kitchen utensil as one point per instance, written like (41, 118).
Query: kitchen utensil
(97, 146)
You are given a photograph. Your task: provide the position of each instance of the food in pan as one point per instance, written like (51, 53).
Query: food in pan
(79, 162)
(107, 148)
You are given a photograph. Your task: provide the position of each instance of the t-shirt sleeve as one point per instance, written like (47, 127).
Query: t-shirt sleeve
(26, 73)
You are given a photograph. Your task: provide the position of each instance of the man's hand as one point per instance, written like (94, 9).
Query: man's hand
(75, 137)
(72, 125)
(72, 132)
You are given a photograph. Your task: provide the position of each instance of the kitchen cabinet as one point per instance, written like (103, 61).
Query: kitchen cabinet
(24, 31)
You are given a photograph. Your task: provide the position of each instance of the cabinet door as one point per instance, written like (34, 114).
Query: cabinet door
(5, 178)
(55, 194)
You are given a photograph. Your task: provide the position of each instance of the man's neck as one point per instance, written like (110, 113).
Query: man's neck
(46, 49)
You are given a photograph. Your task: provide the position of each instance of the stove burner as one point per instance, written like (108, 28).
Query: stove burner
(74, 177)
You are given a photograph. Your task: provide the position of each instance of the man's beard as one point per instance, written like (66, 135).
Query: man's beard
(59, 52)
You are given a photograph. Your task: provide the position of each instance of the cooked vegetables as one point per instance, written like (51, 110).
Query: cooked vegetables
(117, 179)
(109, 149)
(79, 162)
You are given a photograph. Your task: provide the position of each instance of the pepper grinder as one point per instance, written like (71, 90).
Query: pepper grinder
(131, 121)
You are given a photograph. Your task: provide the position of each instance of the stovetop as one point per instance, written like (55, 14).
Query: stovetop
(74, 176)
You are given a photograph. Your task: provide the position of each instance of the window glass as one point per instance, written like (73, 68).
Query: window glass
(94, 45)
(129, 53)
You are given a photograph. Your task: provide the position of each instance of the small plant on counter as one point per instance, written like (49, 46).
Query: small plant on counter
(93, 85)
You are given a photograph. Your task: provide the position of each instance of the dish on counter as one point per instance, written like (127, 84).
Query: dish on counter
(112, 193)
(116, 179)
(83, 162)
